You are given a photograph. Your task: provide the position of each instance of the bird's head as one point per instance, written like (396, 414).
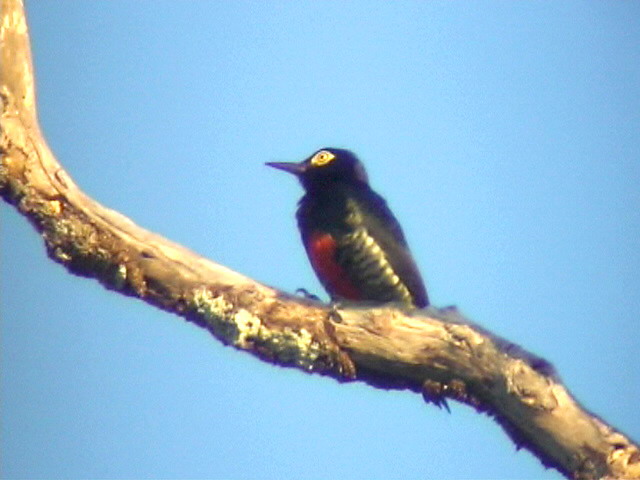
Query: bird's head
(326, 167)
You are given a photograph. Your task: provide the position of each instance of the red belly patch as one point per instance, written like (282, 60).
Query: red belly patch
(321, 249)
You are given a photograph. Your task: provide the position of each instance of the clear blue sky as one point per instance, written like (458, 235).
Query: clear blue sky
(505, 136)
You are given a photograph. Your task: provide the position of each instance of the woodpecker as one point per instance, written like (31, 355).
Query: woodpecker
(354, 243)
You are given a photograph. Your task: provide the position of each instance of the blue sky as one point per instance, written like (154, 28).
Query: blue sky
(504, 135)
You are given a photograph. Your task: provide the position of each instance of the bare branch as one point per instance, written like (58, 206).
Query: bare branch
(435, 352)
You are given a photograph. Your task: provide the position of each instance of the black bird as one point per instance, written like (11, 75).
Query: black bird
(354, 242)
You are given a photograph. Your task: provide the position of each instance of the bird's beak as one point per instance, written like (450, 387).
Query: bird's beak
(296, 169)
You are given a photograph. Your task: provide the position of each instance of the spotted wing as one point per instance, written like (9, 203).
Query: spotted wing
(377, 256)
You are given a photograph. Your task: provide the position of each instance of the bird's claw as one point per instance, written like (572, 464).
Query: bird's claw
(306, 294)
(334, 315)
(434, 392)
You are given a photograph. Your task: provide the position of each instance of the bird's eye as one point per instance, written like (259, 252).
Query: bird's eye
(322, 158)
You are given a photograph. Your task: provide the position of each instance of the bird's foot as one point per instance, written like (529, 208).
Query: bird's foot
(303, 292)
(434, 392)
(334, 315)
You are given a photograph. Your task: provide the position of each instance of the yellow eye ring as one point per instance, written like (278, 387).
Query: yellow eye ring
(322, 158)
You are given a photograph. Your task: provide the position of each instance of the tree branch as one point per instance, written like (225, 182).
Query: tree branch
(435, 352)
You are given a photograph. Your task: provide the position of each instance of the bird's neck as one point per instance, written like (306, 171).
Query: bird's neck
(322, 188)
